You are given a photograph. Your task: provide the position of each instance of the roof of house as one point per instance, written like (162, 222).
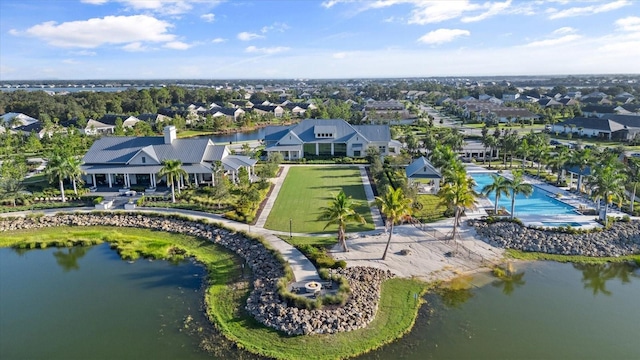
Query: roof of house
(110, 119)
(602, 109)
(23, 119)
(341, 130)
(422, 168)
(592, 123)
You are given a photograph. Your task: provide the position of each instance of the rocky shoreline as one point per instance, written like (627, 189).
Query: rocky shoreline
(623, 238)
(264, 303)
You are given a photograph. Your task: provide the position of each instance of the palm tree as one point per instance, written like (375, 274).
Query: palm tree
(540, 154)
(558, 162)
(500, 186)
(58, 168)
(341, 211)
(442, 155)
(518, 186)
(458, 194)
(581, 159)
(75, 171)
(172, 169)
(633, 173)
(524, 150)
(608, 184)
(395, 207)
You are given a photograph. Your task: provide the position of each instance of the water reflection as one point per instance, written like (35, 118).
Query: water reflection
(596, 276)
(456, 292)
(508, 279)
(68, 258)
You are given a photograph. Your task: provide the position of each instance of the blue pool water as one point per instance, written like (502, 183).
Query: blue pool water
(538, 203)
(561, 224)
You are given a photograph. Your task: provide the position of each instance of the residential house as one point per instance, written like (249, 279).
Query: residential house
(125, 161)
(13, 120)
(612, 127)
(153, 118)
(274, 110)
(598, 110)
(334, 137)
(231, 113)
(510, 96)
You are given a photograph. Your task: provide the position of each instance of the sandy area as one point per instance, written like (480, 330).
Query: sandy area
(430, 255)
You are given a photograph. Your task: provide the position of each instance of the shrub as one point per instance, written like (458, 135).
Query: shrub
(98, 200)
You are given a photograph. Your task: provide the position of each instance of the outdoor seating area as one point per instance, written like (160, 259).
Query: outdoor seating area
(314, 289)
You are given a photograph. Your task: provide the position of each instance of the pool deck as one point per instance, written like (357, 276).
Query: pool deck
(578, 202)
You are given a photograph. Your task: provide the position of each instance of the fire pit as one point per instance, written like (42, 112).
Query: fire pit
(313, 286)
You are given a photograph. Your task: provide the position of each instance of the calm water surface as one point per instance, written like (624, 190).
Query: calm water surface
(87, 303)
(546, 311)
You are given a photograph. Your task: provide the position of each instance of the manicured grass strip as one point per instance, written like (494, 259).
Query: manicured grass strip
(530, 256)
(396, 315)
(308, 188)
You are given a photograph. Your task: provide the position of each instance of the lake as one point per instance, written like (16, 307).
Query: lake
(87, 303)
(547, 311)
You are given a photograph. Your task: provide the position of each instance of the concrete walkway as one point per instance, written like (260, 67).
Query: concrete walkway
(277, 185)
(368, 191)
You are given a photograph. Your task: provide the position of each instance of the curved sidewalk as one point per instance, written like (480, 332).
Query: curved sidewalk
(303, 269)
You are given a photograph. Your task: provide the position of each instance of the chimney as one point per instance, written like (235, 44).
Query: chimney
(169, 134)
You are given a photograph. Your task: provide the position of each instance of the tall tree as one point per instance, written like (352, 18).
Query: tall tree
(500, 186)
(581, 159)
(341, 212)
(633, 173)
(75, 171)
(173, 170)
(395, 207)
(458, 194)
(518, 186)
(608, 184)
(58, 169)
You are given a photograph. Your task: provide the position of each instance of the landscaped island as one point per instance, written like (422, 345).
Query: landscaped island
(226, 301)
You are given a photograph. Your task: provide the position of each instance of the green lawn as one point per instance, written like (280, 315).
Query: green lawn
(308, 188)
(431, 209)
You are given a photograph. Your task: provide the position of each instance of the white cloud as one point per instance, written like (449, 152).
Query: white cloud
(277, 26)
(266, 50)
(493, 9)
(442, 36)
(339, 55)
(135, 47)
(84, 53)
(177, 45)
(631, 23)
(553, 42)
(247, 36)
(564, 30)
(429, 12)
(208, 17)
(94, 2)
(70, 61)
(218, 40)
(163, 7)
(99, 31)
(589, 10)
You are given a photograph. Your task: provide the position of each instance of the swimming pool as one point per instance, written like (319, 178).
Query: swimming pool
(539, 203)
(560, 224)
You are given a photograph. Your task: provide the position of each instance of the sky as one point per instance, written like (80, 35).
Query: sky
(299, 39)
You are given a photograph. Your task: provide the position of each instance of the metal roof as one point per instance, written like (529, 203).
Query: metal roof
(422, 168)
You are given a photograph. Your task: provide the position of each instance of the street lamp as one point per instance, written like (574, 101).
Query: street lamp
(290, 235)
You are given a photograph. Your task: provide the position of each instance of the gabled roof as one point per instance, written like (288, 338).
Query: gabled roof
(120, 150)
(342, 131)
(22, 118)
(422, 168)
(592, 123)
(110, 119)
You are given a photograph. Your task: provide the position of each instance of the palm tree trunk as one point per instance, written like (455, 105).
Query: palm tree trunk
(633, 198)
(539, 167)
(75, 189)
(384, 255)
(455, 223)
(64, 199)
(513, 204)
(173, 192)
(495, 207)
(343, 240)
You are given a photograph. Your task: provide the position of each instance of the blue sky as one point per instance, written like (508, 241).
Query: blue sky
(160, 39)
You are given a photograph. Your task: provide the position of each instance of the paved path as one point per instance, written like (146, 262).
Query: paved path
(368, 191)
(264, 214)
